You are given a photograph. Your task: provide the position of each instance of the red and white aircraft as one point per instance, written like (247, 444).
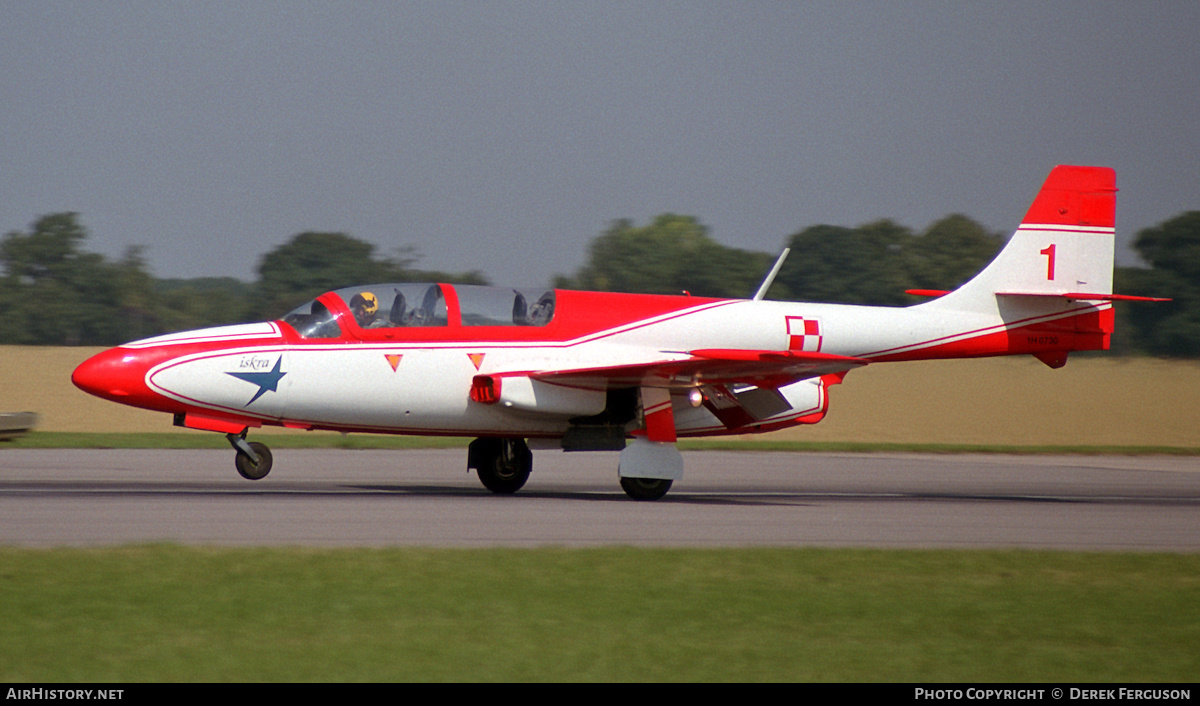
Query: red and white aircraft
(580, 371)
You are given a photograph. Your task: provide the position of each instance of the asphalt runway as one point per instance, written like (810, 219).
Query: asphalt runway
(426, 497)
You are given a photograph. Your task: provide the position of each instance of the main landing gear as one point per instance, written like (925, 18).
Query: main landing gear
(645, 488)
(253, 458)
(503, 465)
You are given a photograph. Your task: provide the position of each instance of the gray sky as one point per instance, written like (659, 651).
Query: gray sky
(505, 136)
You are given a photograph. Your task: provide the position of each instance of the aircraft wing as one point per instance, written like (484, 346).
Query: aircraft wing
(712, 366)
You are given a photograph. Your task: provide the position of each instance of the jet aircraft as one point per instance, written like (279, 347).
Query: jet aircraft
(582, 371)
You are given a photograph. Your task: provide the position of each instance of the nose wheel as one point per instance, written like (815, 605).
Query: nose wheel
(253, 460)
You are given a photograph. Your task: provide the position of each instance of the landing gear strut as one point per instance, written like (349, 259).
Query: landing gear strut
(253, 460)
(503, 465)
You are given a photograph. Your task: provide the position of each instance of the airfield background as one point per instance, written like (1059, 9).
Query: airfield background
(53, 291)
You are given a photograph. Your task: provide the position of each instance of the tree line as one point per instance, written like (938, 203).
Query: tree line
(54, 292)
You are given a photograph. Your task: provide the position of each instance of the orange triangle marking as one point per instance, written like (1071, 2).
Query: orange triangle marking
(393, 360)
(476, 359)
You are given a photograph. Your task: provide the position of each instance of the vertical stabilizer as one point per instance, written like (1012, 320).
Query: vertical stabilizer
(1064, 244)
(1049, 290)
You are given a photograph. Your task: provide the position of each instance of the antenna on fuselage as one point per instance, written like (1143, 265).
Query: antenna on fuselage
(762, 291)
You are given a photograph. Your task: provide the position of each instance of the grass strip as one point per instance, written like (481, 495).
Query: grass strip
(170, 613)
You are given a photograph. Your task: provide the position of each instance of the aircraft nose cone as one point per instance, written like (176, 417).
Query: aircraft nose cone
(113, 374)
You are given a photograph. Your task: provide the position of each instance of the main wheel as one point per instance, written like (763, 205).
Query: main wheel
(503, 465)
(645, 488)
(250, 470)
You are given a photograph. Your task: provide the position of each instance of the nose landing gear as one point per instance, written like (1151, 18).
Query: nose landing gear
(253, 460)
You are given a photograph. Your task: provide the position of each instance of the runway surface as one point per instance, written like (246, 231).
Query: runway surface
(426, 497)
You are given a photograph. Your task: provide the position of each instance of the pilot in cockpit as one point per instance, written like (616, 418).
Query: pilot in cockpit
(365, 307)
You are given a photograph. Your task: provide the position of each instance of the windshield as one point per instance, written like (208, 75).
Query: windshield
(374, 306)
(313, 320)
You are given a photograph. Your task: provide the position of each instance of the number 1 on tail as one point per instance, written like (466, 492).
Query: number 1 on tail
(1049, 253)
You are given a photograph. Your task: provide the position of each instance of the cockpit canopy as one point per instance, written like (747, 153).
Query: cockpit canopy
(402, 305)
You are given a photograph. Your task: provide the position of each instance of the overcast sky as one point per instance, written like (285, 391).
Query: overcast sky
(504, 136)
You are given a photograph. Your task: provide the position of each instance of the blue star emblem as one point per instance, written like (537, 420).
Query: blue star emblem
(265, 381)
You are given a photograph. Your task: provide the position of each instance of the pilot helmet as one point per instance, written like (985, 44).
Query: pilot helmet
(365, 301)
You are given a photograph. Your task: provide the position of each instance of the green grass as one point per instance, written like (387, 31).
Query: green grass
(307, 440)
(168, 613)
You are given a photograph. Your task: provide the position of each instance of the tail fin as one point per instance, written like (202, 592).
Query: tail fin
(1051, 284)
(1063, 247)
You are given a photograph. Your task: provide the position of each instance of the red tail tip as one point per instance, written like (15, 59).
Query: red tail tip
(1073, 195)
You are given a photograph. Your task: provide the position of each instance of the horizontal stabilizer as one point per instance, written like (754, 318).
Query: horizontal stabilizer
(1085, 296)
